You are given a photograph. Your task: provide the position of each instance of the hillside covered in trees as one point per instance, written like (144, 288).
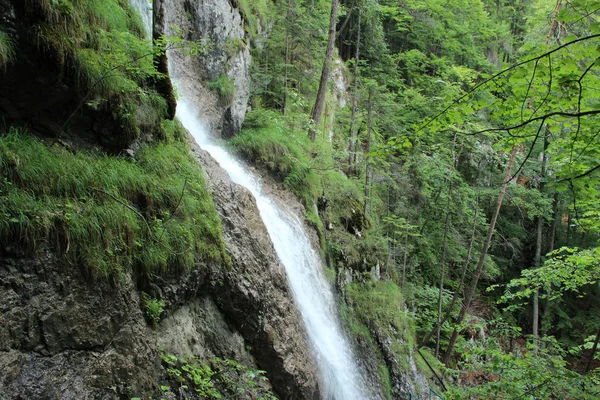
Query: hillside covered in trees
(461, 175)
(444, 154)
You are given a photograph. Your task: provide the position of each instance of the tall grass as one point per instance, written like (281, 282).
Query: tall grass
(108, 214)
(7, 49)
(101, 45)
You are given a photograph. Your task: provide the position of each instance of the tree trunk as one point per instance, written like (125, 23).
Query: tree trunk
(486, 245)
(442, 276)
(538, 250)
(164, 86)
(320, 101)
(287, 58)
(460, 284)
(405, 260)
(367, 171)
(352, 145)
(588, 364)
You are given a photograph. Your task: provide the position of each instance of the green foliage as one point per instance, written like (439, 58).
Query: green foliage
(423, 300)
(379, 306)
(266, 140)
(234, 45)
(7, 49)
(105, 213)
(154, 307)
(491, 372)
(566, 269)
(224, 88)
(218, 379)
(255, 14)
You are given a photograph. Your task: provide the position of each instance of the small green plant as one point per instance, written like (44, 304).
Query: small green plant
(217, 379)
(7, 49)
(154, 308)
(233, 46)
(224, 88)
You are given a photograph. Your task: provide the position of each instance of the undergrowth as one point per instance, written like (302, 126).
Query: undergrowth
(7, 50)
(217, 379)
(108, 214)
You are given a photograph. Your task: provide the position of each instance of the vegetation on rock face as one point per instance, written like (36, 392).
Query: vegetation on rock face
(402, 182)
(109, 214)
(7, 49)
(405, 178)
(224, 88)
(218, 379)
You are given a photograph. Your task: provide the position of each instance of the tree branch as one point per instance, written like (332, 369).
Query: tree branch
(493, 77)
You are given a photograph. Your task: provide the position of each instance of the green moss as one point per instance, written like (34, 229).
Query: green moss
(266, 140)
(224, 88)
(233, 46)
(254, 13)
(384, 378)
(379, 304)
(109, 214)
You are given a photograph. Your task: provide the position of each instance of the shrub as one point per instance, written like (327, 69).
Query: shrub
(217, 379)
(224, 88)
(154, 307)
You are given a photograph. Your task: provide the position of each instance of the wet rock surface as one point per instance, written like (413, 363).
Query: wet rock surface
(62, 336)
(219, 25)
(254, 293)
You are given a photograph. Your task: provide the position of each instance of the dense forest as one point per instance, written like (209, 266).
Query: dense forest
(446, 153)
(463, 171)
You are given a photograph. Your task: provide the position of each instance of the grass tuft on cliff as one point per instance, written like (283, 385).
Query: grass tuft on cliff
(376, 314)
(101, 46)
(109, 214)
(7, 50)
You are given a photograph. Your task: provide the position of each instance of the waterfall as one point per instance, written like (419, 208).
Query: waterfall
(312, 292)
(144, 8)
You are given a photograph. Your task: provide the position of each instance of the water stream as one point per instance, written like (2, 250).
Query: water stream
(312, 292)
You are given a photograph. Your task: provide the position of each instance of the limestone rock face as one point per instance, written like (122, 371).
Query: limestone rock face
(62, 336)
(220, 26)
(255, 295)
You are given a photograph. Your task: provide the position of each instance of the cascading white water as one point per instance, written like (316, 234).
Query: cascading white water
(311, 290)
(144, 8)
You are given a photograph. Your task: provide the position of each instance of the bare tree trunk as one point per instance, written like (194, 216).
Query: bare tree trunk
(352, 148)
(486, 245)
(568, 229)
(367, 170)
(442, 276)
(588, 364)
(550, 246)
(405, 260)
(287, 58)
(320, 101)
(538, 251)
(460, 284)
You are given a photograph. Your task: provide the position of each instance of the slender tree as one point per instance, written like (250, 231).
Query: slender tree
(320, 100)
(484, 250)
